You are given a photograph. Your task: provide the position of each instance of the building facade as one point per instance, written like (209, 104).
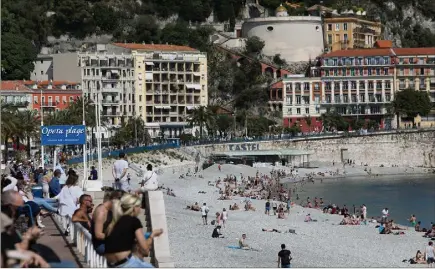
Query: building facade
(162, 84)
(344, 32)
(16, 94)
(358, 84)
(57, 67)
(51, 96)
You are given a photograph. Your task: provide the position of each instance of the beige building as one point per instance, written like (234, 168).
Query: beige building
(57, 67)
(162, 84)
(350, 32)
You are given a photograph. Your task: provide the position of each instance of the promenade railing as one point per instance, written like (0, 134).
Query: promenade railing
(210, 141)
(82, 239)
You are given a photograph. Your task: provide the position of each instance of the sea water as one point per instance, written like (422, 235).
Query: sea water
(403, 197)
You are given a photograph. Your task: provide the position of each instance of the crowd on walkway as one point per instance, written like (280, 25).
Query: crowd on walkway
(29, 195)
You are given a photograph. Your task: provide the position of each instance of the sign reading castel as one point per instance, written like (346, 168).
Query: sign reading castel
(244, 147)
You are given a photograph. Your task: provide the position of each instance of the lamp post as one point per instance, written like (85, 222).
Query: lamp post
(42, 124)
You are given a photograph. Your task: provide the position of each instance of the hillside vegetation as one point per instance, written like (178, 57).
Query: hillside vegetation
(26, 24)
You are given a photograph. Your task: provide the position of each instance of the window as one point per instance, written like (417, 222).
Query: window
(336, 85)
(353, 84)
(307, 110)
(335, 72)
(35, 99)
(298, 99)
(345, 37)
(378, 71)
(329, 39)
(140, 98)
(411, 71)
(57, 99)
(329, 27)
(370, 71)
(345, 85)
(345, 26)
(328, 85)
(387, 85)
(385, 71)
(421, 71)
(71, 99)
(316, 98)
(362, 85)
(352, 72)
(289, 100)
(298, 111)
(337, 27)
(289, 111)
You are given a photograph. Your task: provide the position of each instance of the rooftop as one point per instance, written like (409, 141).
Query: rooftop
(14, 85)
(381, 52)
(384, 44)
(154, 47)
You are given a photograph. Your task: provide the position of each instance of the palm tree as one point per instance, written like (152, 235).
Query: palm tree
(9, 125)
(29, 126)
(308, 120)
(203, 117)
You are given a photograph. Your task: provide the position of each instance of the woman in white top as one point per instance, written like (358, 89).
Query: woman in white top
(69, 196)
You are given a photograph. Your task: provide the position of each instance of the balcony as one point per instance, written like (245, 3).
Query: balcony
(15, 104)
(49, 104)
(111, 90)
(110, 102)
(111, 113)
(110, 78)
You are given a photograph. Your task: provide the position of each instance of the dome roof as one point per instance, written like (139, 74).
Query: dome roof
(281, 8)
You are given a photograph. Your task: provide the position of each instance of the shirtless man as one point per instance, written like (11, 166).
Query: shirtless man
(81, 215)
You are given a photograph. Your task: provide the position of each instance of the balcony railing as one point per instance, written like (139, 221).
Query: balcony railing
(49, 104)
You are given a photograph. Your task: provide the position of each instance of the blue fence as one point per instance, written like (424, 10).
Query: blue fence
(115, 153)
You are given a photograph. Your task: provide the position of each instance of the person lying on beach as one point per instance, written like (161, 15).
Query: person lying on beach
(281, 214)
(430, 233)
(194, 207)
(217, 232)
(419, 258)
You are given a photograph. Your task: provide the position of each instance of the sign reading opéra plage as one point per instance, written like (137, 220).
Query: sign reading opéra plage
(244, 147)
(63, 135)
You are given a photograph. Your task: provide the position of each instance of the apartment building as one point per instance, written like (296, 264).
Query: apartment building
(15, 93)
(302, 99)
(51, 96)
(358, 84)
(57, 67)
(415, 68)
(350, 32)
(162, 84)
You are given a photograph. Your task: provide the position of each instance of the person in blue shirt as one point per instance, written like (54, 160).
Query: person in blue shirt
(94, 173)
(54, 185)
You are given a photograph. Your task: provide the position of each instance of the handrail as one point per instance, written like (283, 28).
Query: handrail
(83, 241)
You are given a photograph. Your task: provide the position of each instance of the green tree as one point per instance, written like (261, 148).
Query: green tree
(9, 125)
(223, 123)
(29, 126)
(334, 121)
(73, 17)
(410, 103)
(278, 60)
(309, 121)
(18, 55)
(195, 10)
(105, 17)
(203, 117)
(254, 45)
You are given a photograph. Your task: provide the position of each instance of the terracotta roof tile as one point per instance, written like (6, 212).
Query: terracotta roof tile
(384, 44)
(14, 85)
(359, 52)
(47, 82)
(414, 51)
(154, 47)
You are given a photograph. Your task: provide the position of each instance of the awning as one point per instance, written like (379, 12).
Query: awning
(166, 107)
(149, 63)
(158, 107)
(197, 87)
(193, 86)
(114, 72)
(189, 107)
(197, 75)
(148, 76)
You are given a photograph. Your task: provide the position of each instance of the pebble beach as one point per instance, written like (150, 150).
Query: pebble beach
(324, 243)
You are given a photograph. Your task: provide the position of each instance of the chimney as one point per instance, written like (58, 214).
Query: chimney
(49, 87)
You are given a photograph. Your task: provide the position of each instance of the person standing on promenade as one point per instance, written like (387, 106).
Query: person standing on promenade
(119, 172)
(430, 254)
(385, 214)
(364, 212)
(274, 205)
(284, 257)
(149, 182)
(204, 213)
(224, 217)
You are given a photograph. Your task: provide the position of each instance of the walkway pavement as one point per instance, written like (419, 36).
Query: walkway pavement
(54, 238)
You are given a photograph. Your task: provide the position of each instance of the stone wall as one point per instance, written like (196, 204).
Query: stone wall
(405, 149)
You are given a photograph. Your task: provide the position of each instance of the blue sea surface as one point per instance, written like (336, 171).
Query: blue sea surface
(403, 197)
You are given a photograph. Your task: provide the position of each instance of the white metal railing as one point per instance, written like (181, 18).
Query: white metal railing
(83, 241)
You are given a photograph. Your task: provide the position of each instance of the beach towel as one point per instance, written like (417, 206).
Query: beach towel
(234, 247)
